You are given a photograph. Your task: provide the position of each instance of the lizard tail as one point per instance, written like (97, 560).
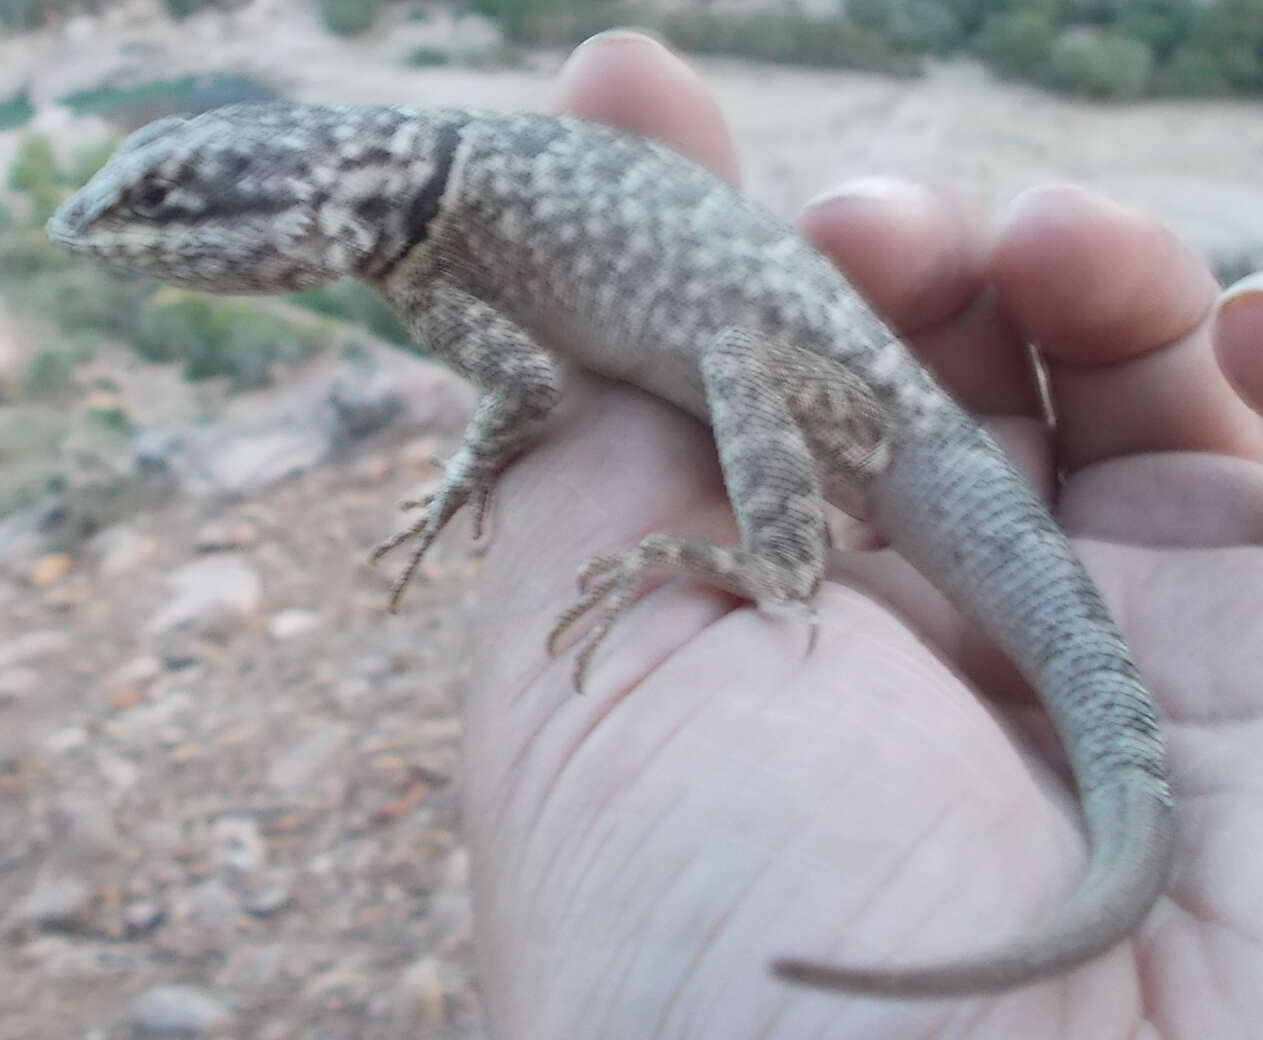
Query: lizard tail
(954, 506)
(1127, 873)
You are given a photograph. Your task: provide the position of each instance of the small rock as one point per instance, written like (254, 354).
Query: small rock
(69, 738)
(89, 828)
(44, 642)
(178, 1011)
(139, 671)
(120, 549)
(209, 907)
(339, 987)
(253, 967)
(142, 917)
(240, 461)
(153, 721)
(17, 683)
(54, 901)
(295, 770)
(213, 596)
(119, 773)
(293, 622)
(49, 568)
(221, 535)
(126, 697)
(360, 402)
(421, 998)
(270, 896)
(239, 846)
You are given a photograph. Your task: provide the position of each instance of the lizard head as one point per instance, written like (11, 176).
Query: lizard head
(250, 198)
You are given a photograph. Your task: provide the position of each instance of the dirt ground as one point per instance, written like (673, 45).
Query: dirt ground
(229, 783)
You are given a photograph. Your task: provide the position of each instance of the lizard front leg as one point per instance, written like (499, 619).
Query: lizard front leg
(518, 386)
(773, 484)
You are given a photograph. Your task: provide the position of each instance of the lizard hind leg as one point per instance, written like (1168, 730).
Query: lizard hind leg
(774, 487)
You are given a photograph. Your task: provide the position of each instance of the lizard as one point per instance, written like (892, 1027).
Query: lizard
(511, 243)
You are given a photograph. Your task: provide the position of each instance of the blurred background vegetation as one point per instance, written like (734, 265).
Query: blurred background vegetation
(1099, 48)
(1109, 50)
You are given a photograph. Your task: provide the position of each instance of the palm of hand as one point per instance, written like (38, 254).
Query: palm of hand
(719, 797)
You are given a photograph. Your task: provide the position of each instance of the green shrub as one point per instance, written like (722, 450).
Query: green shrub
(1016, 43)
(20, 15)
(82, 298)
(1100, 64)
(31, 436)
(87, 160)
(51, 371)
(869, 14)
(26, 253)
(35, 165)
(356, 304)
(922, 27)
(214, 337)
(524, 20)
(180, 9)
(111, 421)
(1162, 24)
(1192, 72)
(349, 17)
(17, 110)
(142, 102)
(426, 57)
(781, 37)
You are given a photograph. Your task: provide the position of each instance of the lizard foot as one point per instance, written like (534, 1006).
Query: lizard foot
(439, 507)
(612, 579)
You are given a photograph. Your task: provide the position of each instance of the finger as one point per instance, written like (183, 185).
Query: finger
(1238, 335)
(919, 255)
(631, 81)
(1119, 309)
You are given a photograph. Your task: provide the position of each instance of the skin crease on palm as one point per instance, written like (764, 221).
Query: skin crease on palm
(719, 796)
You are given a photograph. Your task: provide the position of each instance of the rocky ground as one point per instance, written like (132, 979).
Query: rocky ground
(228, 779)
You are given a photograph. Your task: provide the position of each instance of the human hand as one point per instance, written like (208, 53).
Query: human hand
(718, 798)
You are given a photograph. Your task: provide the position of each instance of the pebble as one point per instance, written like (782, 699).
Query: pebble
(298, 766)
(49, 569)
(240, 849)
(68, 738)
(42, 643)
(212, 596)
(421, 994)
(120, 774)
(221, 535)
(271, 896)
(173, 1012)
(121, 549)
(54, 901)
(293, 622)
(142, 917)
(17, 683)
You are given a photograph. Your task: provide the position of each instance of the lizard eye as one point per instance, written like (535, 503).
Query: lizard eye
(149, 199)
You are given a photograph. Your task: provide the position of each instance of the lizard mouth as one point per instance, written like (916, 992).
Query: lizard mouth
(66, 225)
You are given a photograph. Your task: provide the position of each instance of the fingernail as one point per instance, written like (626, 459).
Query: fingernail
(870, 189)
(622, 35)
(1244, 290)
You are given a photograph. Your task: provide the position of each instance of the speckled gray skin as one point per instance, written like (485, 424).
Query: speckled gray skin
(504, 241)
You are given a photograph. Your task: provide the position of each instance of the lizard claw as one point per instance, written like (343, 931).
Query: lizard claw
(595, 567)
(620, 586)
(440, 506)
